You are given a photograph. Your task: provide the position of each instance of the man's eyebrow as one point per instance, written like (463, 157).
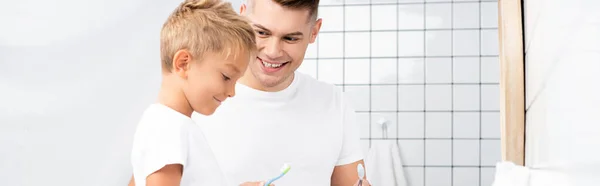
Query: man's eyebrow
(295, 34)
(267, 30)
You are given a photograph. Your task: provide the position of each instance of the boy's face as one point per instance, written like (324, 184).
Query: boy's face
(282, 37)
(212, 80)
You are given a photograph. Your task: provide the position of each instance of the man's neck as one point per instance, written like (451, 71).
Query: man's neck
(249, 80)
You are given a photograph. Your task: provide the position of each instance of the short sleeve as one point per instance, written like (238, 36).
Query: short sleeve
(157, 145)
(351, 149)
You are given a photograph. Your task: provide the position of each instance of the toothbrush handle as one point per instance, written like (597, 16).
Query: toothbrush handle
(268, 183)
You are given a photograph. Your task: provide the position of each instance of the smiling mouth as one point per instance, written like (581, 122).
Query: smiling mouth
(217, 100)
(272, 65)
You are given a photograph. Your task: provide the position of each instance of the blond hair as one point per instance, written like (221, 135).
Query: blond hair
(202, 26)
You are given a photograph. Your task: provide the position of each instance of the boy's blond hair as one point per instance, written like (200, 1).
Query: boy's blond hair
(202, 26)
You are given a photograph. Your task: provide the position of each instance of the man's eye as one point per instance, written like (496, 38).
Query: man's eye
(290, 38)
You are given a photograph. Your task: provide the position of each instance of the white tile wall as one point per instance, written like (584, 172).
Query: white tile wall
(465, 15)
(438, 125)
(411, 43)
(438, 152)
(383, 71)
(410, 16)
(430, 67)
(467, 125)
(438, 15)
(383, 44)
(438, 70)
(411, 97)
(442, 175)
(412, 125)
(357, 71)
(438, 43)
(465, 176)
(465, 43)
(466, 97)
(357, 44)
(465, 152)
(466, 70)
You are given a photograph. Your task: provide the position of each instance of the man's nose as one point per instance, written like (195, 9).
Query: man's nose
(273, 49)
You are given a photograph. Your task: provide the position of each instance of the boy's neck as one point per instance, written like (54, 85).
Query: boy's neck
(171, 95)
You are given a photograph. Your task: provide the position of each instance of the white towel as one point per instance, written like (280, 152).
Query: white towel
(384, 165)
(509, 174)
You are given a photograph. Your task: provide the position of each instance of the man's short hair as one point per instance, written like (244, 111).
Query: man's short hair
(311, 5)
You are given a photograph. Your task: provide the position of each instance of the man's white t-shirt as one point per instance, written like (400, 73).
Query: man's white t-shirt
(309, 125)
(165, 136)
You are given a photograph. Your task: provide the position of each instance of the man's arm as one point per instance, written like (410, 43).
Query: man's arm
(345, 172)
(345, 175)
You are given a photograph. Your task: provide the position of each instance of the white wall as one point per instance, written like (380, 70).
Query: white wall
(74, 79)
(563, 87)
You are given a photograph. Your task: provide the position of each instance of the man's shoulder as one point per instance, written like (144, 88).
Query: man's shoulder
(319, 86)
(321, 91)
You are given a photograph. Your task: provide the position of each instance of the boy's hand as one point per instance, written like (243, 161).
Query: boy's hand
(262, 183)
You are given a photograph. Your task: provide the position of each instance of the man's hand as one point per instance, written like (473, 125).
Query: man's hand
(262, 183)
(364, 183)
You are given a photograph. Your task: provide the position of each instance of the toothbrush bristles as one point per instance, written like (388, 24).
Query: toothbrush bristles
(285, 168)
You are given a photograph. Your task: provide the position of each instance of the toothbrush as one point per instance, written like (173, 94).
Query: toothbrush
(283, 170)
(361, 173)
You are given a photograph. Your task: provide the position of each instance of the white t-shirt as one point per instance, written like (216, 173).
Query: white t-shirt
(309, 125)
(165, 136)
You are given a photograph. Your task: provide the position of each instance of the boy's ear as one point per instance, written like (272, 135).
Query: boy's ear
(242, 9)
(181, 63)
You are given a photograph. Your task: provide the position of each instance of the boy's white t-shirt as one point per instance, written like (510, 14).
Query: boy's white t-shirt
(309, 125)
(165, 136)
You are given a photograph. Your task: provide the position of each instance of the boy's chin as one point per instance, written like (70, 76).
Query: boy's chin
(207, 111)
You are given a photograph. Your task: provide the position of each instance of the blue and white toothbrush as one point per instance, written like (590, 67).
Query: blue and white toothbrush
(361, 173)
(283, 170)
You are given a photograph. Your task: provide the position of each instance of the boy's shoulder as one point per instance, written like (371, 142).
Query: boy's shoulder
(158, 118)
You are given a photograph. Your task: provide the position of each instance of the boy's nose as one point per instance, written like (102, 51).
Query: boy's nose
(231, 92)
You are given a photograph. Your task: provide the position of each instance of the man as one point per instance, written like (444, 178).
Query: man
(281, 116)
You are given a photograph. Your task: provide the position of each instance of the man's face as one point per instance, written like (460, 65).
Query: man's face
(282, 37)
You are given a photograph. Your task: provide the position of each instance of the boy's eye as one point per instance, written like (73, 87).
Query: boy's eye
(261, 32)
(225, 77)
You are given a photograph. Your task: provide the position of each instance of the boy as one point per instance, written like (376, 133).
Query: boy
(205, 47)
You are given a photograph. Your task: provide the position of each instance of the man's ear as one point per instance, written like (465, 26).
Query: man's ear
(181, 63)
(315, 30)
